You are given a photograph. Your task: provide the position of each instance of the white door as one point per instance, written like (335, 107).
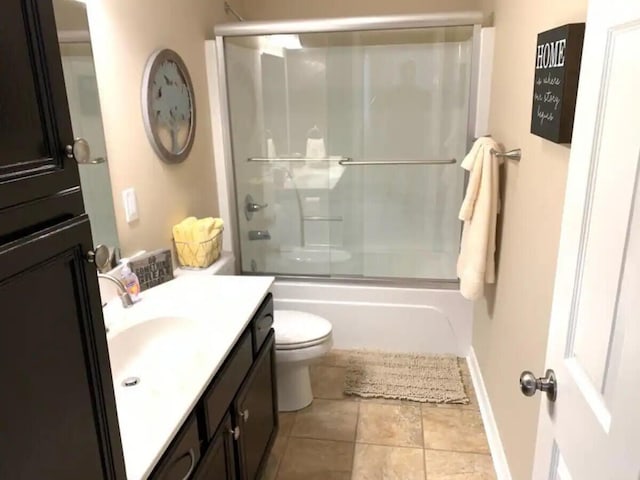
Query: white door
(592, 430)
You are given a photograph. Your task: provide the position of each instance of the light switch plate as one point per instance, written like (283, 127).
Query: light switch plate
(130, 205)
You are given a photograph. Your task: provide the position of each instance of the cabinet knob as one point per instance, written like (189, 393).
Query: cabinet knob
(80, 150)
(245, 414)
(99, 255)
(235, 432)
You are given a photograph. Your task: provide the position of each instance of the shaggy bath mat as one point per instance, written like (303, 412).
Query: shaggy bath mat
(404, 376)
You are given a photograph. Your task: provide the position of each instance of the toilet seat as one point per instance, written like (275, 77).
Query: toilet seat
(295, 330)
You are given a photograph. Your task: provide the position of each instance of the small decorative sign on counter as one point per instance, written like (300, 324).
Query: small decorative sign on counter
(153, 268)
(555, 86)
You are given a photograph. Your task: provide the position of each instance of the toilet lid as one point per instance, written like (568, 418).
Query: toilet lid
(299, 329)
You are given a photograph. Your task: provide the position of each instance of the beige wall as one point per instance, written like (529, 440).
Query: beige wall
(290, 9)
(511, 326)
(124, 33)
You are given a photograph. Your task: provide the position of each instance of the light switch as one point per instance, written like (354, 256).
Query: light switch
(130, 204)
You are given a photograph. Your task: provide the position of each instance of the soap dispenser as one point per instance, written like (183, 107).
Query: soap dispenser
(130, 280)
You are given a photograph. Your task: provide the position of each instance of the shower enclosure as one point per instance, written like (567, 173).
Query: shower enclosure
(346, 138)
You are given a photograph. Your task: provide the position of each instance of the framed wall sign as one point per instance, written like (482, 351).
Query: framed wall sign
(555, 84)
(168, 106)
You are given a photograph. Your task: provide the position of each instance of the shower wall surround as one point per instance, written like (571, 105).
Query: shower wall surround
(387, 95)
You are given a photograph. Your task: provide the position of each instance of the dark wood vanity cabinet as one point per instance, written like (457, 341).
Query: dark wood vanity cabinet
(219, 459)
(58, 419)
(256, 411)
(238, 413)
(180, 460)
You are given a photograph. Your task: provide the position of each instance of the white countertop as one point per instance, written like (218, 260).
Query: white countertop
(223, 306)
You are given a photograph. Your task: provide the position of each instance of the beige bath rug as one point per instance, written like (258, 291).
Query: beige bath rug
(404, 376)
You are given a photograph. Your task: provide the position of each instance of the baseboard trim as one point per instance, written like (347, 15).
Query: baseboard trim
(490, 426)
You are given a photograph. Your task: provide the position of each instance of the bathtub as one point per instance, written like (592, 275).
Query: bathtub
(390, 318)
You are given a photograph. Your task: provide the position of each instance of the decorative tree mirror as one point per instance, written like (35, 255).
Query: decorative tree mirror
(168, 106)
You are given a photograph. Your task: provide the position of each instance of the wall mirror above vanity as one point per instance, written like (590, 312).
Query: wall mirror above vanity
(86, 119)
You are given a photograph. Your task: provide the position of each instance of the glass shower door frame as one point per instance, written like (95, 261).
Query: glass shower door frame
(474, 19)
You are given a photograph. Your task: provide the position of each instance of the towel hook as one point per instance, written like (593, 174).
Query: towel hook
(515, 154)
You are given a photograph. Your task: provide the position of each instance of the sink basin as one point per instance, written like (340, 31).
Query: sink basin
(155, 353)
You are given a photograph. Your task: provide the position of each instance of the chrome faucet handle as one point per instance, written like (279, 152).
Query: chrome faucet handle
(250, 207)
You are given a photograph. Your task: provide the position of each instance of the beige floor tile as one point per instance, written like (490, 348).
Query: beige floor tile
(464, 367)
(441, 465)
(459, 430)
(309, 459)
(286, 422)
(279, 446)
(388, 401)
(328, 382)
(375, 462)
(328, 420)
(471, 393)
(270, 470)
(275, 457)
(395, 425)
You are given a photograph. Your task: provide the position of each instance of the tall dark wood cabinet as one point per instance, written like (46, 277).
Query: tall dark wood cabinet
(57, 407)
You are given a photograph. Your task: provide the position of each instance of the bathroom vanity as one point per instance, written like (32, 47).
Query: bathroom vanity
(193, 365)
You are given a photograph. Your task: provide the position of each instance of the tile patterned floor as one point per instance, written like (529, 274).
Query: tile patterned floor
(340, 437)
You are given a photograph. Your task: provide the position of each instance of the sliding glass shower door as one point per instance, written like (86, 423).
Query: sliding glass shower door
(346, 150)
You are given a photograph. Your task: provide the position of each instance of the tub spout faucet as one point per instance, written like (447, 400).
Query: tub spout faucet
(125, 298)
(259, 235)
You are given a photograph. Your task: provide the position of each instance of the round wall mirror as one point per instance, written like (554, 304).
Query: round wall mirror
(168, 106)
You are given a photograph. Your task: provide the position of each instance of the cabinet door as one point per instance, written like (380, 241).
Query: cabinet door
(256, 411)
(35, 125)
(179, 462)
(219, 461)
(58, 417)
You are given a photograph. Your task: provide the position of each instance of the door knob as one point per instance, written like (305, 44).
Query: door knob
(80, 150)
(529, 384)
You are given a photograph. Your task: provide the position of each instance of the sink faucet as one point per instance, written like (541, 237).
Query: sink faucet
(125, 298)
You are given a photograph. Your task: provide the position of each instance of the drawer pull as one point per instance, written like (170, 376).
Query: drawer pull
(192, 456)
(245, 414)
(235, 432)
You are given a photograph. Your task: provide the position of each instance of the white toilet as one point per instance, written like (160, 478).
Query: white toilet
(301, 337)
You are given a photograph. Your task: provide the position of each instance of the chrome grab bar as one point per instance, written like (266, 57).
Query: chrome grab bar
(318, 218)
(297, 159)
(349, 163)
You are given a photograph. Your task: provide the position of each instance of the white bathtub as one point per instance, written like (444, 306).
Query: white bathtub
(384, 317)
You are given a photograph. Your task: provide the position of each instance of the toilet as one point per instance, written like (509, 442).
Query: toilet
(301, 337)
